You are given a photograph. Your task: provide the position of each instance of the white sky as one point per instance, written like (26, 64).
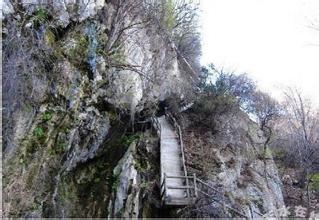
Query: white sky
(268, 39)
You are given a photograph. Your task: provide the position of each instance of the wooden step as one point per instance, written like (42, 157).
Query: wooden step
(179, 201)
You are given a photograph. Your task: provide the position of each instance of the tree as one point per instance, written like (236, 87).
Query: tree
(218, 82)
(298, 134)
(220, 93)
(304, 125)
(266, 109)
(177, 20)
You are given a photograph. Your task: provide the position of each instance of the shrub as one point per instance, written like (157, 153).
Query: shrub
(46, 116)
(314, 181)
(220, 93)
(179, 21)
(217, 82)
(170, 17)
(128, 139)
(39, 132)
(209, 107)
(41, 15)
(114, 181)
(59, 147)
(27, 60)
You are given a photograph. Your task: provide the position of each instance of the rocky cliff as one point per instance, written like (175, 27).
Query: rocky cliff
(77, 75)
(232, 160)
(68, 135)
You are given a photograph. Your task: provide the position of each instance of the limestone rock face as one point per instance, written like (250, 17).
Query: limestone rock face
(135, 191)
(128, 181)
(81, 87)
(233, 160)
(64, 10)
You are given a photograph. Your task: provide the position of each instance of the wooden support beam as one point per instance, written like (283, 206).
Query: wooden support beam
(195, 185)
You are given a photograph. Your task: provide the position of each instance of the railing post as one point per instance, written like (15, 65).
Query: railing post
(223, 198)
(195, 185)
(152, 124)
(165, 190)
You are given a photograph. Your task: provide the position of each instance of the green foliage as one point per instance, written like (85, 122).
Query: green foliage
(217, 82)
(169, 9)
(46, 116)
(77, 48)
(81, 48)
(265, 154)
(145, 185)
(58, 148)
(39, 132)
(49, 37)
(97, 179)
(114, 181)
(278, 153)
(209, 107)
(140, 165)
(113, 117)
(116, 56)
(41, 15)
(128, 139)
(314, 181)
(221, 93)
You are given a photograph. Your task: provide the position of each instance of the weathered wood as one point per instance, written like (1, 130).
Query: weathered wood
(180, 202)
(195, 185)
(179, 133)
(205, 184)
(165, 185)
(156, 125)
(180, 187)
(163, 193)
(173, 161)
(170, 159)
(180, 177)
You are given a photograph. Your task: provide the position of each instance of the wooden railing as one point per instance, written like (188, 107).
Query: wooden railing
(180, 140)
(191, 188)
(196, 187)
(156, 125)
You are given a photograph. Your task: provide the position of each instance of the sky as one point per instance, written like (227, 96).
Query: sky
(269, 39)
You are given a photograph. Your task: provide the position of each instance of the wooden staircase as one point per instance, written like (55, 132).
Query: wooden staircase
(177, 187)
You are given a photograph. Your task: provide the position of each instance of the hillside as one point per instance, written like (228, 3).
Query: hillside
(83, 81)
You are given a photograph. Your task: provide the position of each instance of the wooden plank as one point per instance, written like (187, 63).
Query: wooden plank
(180, 202)
(170, 159)
(175, 198)
(179, 133)
(179, 187)
(180, 177)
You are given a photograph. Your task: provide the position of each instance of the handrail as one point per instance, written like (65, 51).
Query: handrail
(207, 185)
(197, 189)
(196, 181)
(156, 125)
(179, 133)
(227, 206)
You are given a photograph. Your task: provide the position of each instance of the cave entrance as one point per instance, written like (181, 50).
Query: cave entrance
(162, 107)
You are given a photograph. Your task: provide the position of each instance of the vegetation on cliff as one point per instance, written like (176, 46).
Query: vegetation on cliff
(81, 83)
